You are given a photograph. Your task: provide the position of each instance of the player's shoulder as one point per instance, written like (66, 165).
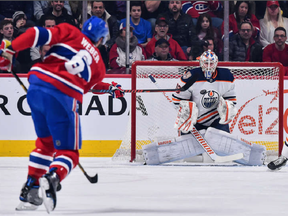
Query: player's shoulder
(68, 32)
(224, 74)
(191, 73)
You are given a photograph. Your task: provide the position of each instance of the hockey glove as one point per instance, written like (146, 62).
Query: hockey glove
(4, 64)
(6, 61)
(115, 90)
(187, 116)
(226, 110)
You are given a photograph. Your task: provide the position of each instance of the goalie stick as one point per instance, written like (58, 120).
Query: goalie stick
(216, 158)
(91, 179)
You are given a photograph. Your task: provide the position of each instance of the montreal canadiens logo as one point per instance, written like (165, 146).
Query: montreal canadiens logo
(209, 99)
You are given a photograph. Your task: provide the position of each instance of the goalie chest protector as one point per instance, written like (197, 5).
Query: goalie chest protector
(206, 93)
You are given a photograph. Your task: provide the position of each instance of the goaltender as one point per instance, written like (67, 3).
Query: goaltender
(206, 106)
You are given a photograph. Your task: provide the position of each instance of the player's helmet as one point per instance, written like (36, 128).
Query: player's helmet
(208, 63)
(95, 28)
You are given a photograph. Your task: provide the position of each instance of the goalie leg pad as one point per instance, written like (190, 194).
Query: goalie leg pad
(183, 147)
(150, 154)
(224, 143)
(257, 155)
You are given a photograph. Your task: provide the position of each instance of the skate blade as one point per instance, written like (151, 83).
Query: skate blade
(25, 206)
(48, 202)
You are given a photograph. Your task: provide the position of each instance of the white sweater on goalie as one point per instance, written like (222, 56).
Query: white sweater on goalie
(187, 146)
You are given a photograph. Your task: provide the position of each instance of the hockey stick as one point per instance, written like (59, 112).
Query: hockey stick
(93, 179)
(183, 88)
(200, 139)
(19, 81)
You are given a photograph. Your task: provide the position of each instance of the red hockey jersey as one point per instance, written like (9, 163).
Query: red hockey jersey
(196, 8)
(66, 41)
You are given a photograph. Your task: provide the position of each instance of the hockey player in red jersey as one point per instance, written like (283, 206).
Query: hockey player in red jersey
(71, 67)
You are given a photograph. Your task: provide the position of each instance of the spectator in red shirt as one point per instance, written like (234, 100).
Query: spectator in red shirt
(278, 51)
(242, 13)
(161, 29)
(161, 51)
(196, 8)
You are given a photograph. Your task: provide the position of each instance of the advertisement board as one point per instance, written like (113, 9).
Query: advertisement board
(104, 119)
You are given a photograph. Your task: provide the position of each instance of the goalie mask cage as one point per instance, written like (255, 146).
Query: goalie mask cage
(259, 89)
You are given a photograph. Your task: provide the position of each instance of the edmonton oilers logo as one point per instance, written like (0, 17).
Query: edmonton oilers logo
(209, 98)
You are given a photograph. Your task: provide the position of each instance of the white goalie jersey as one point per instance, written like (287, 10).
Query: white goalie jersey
(206, 93)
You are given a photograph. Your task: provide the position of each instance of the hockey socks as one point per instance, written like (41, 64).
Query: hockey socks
(41, 158)
(65, 161)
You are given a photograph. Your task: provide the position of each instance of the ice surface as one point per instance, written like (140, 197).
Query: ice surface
(171, 189)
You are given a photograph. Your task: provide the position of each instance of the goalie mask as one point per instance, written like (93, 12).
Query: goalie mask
(208, 63)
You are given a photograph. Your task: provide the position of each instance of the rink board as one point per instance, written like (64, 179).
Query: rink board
(104, 120)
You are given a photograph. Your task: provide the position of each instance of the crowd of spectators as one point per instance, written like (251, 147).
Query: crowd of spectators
(159, 30)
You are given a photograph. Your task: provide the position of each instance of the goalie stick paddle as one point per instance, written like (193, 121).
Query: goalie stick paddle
(93, 179)
(183, 88)
(200, 139)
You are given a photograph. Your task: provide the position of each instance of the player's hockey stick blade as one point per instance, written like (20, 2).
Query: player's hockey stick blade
(222, 159)
(91, 179)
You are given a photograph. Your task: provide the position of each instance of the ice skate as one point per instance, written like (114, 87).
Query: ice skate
(29, 196)
(48, 184)
(278, 163)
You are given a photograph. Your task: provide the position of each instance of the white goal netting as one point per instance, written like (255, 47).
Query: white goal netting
(153, 117)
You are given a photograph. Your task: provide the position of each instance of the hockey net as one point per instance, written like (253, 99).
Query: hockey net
(259, 88)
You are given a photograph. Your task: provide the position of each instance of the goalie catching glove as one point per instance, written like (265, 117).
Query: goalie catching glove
(6, 53)
(226, 110)
(187, 116)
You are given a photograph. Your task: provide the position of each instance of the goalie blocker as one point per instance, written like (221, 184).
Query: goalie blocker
(186, 146)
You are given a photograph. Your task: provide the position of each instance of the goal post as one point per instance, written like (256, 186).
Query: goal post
(259, 89)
